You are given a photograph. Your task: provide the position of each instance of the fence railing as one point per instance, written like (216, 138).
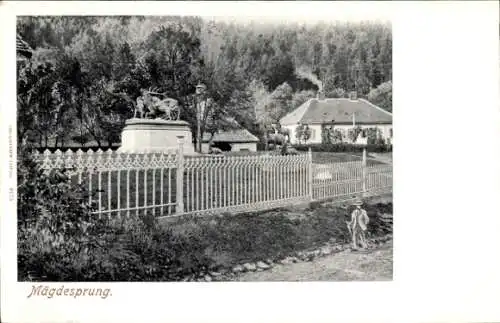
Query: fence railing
(169, 183)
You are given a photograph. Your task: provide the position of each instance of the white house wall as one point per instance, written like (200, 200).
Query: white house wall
(316, 137)
(251, 146)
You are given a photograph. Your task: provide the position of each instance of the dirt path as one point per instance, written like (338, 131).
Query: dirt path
(372, 265)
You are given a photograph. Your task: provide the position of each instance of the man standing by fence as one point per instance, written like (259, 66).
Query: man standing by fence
(358, 225)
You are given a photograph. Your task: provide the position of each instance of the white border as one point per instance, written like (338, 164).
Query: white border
(447, 181)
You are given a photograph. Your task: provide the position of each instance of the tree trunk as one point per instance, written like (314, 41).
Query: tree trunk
(198, 140)
(198, 126)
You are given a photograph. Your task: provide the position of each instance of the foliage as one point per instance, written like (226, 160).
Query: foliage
(326, 134)
(52, 215)
(338, 136)
(303, 133)
(280, 102)
(336, 93)
(331, 135)
(354, 133)
(374, 136)
(382, 96)
(343, 147)
(298, 98)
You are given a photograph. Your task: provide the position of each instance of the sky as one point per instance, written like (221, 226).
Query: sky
(240, 11)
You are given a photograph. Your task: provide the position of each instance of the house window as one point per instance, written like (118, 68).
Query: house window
(390, 132)
(363, 133)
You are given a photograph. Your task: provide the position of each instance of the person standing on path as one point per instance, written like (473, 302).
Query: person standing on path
(358, 225)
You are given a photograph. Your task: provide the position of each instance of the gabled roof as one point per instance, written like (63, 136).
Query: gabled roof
(340, 110)
(296, 115)
(23, 48)
(235, 135)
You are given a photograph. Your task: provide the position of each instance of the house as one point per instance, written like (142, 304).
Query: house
(231, 140)
(341, 115)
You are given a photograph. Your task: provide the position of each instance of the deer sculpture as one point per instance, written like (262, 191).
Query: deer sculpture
(148, 105)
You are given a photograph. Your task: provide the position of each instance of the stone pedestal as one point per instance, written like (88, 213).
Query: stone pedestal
(155, 135)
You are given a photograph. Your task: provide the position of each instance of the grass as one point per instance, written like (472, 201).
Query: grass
(319, 157)
(331, 157)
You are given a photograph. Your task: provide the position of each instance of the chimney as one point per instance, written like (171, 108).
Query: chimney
(353, 95)
(321, 95)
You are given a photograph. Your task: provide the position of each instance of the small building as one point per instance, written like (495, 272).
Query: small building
(231, 140)
(341, 115)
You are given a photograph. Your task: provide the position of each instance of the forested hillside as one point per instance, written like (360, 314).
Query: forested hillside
(87, 71)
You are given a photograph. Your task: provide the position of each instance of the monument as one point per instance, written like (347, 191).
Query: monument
(155, 126)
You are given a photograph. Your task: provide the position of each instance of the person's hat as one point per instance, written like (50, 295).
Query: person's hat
(357, 202)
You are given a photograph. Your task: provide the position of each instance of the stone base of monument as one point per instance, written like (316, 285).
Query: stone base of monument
(156, 135)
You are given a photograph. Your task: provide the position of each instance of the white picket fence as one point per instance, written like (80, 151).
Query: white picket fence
(169, 183)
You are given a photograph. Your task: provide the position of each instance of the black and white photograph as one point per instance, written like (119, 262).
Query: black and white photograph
(249, 161)
(182, 148)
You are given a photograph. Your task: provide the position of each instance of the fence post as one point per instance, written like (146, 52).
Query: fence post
(310, 177)
(180, 176)
(364, 171)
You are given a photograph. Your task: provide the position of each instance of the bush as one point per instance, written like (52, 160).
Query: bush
(374, 148)
(261, 146)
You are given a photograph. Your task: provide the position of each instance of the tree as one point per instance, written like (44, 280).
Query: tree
(382, 96)
(172, 56)
(280, 70)
(298, 98)
(280, 102)
(46, 101)
(223, 100)
(34, 109)
(303, 133)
